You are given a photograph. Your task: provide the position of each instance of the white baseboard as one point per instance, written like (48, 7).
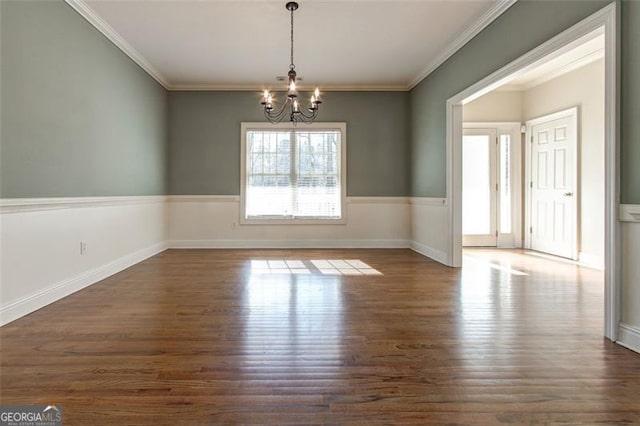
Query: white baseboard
(57, 291)
(429, 252)
(629, 337)
(591, 260)
(285, 244)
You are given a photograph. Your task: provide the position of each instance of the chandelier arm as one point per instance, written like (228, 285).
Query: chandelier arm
(282, 108)
(273, 119)
(311, 116)
(277, 116)
(306, 119)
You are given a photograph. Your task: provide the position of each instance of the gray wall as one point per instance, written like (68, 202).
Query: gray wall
(79, 118)
(630, 149)
(204, 147)
(527, 24)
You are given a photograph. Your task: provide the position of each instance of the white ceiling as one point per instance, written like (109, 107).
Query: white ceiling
(339, 44)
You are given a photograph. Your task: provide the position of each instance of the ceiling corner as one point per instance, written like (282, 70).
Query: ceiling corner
(84, 10)
(480, 24)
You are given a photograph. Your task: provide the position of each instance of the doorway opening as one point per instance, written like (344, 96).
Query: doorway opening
(604, 23)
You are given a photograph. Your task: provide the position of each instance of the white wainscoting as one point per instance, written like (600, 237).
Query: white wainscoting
(629, 329)
(40, 245)
(214, 222)
(430, 226)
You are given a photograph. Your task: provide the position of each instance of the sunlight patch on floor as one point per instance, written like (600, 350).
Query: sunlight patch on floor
(321, 266)
(503, 268)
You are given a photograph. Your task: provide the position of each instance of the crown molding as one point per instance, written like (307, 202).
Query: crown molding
(261, 87)
(491, 15)
(112, 35)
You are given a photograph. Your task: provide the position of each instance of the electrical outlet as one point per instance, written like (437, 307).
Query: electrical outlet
(83, 247)
(234, 225)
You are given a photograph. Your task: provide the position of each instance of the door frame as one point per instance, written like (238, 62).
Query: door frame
(573, 114)
(490, 239)
(514, 129)
(604, 21)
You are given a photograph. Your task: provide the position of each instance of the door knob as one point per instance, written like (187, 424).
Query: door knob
(568, 194)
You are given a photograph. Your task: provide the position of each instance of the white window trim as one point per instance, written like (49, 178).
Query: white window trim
(247, 126)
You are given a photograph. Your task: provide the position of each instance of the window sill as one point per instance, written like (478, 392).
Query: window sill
(339, 221)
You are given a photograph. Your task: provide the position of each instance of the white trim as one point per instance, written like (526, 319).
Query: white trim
(572, 114)
(454, 132)
(203, 198)
(259, 87)
(629, 337)
(15, 205)
(285, 244)
(630, 213)
(573, 111)
(612, 245)
(236, 199)
(606, 18)
(500, 125)
(342, 220)
(19, 308)
(474, 29)
(114, 37)
(578, 63)
(585, 60)
(431, 253)
(378, 200)
(590, 27)
(428, 201)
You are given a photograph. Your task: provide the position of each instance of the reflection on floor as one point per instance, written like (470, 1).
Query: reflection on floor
(324, 267)
(196, 337)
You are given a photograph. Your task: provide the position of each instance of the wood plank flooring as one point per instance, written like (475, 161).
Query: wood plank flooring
(197, 337)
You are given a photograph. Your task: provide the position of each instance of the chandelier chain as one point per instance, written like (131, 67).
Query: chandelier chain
(291, 65)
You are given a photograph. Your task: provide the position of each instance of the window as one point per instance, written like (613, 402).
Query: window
(293, 174)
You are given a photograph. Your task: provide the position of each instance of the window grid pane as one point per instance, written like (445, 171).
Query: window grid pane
(311, 189)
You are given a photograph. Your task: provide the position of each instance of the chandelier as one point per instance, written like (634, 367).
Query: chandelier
(291, 107)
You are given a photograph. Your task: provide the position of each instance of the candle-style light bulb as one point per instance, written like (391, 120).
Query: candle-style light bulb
(266, 95)
(317, 93)
(295, 105)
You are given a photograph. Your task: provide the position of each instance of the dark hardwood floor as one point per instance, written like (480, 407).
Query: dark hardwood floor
(199, 337)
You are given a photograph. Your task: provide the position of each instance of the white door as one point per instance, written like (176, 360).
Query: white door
(553, 208)
(479, 187)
